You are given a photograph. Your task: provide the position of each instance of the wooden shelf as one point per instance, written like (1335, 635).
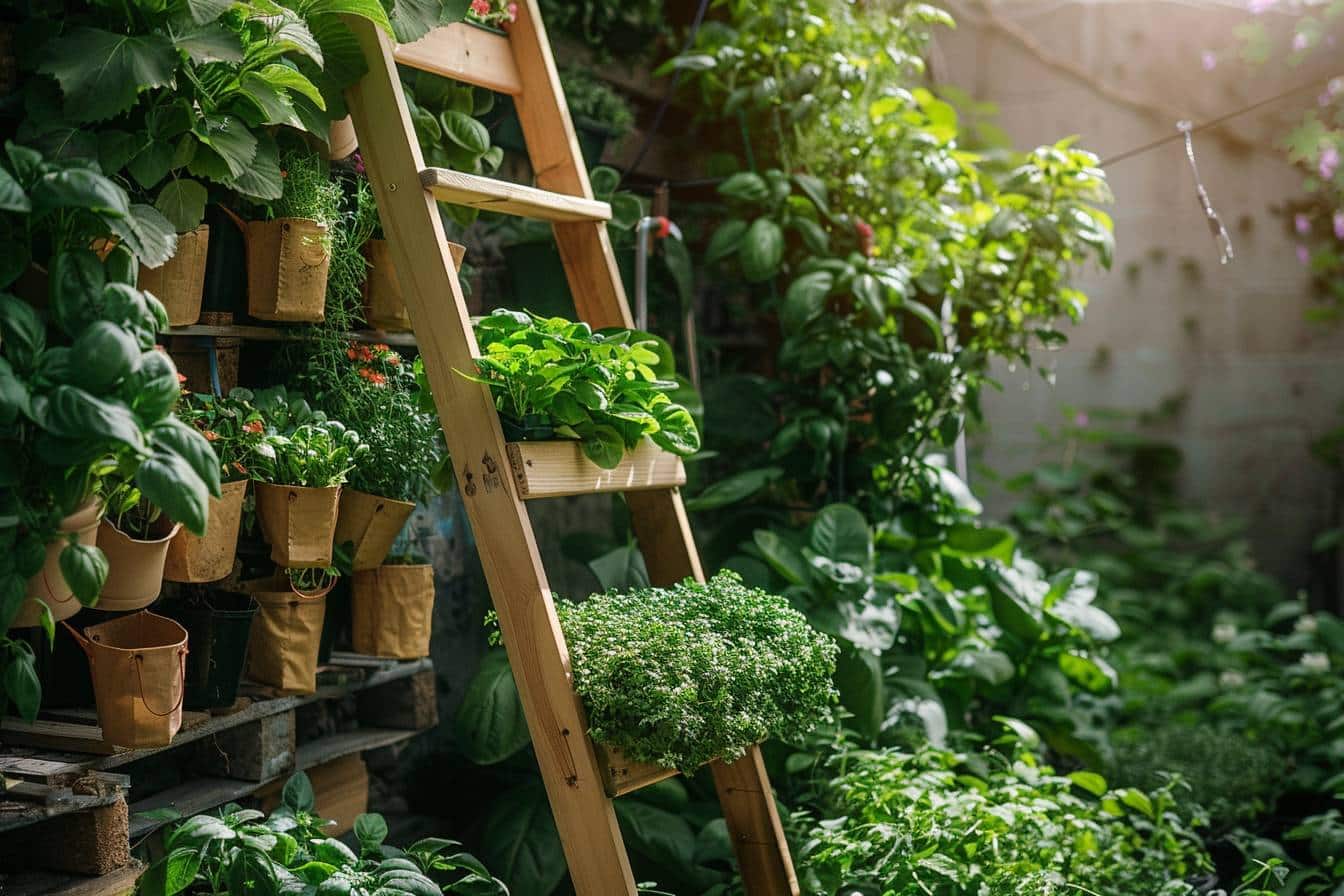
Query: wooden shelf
(491, 195)
(46, 883)
(560, 468)
(621, 776)
(284, 334)
(465, 53)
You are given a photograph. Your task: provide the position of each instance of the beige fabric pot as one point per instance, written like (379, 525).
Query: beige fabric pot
(49, 585)
(287, 263)
(384, 308)
(372, 524)
(392, 609)
(139, 668)
(286, 635)
(179, 282)
(209, 558)
(134, 566)
(298, 523)
(342, 140)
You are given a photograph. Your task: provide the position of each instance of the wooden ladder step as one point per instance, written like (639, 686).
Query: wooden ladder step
(560, 468)
(465, 53)
(491, 195)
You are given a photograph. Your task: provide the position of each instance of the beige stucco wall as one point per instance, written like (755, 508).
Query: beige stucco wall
(1260, 380)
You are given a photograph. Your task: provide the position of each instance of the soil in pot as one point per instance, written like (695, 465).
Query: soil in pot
(392, 608)
(286, 635)
(218, 626)
(179, 282)
(49, 585)
(134, 565)
(298, 523)
(139, 670)
(370, 524)
(209, 558)
(287, 263)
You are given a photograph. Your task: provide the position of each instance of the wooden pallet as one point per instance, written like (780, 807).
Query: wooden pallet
(495, 477)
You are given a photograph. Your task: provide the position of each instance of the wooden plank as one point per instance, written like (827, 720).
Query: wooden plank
(282, 334)
(257, 751)
(464, 53)
(86, 842)
(753, 823)
(413, 706)
(555, 469)
(492, 195)
(621, 775)
(45, 883)
(584, 816)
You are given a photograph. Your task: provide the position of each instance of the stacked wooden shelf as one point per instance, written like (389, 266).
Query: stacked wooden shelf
(282, 334)
(64, 790)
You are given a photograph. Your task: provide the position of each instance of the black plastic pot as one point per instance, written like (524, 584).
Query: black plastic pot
(532, 428)
(225, 287)
(217, 633)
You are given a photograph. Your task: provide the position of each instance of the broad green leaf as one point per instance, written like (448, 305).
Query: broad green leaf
(465, 131)
(805, 300)
(761, 251)
(370, 831)
(490, 723)
(663, 836)
(12, 196)
(971, 540)
(297, 795)
(210, 42)
(84, 568)
(282, 77)
(79, 188)
(603, 445)
(106, 353)
(1090, 672)
(21, 682)
(1012, 614)
(21, 332)
(782, 556)
(726, 240)
(228, 136)
(677, 432)
(182, 202)
(735, 488)
(1092, 782)
(171, 874)
(75, 414)
(170, 483)
(621, 568)
(840, 532)
(147, 233)
(992, 666)
(520, 844)
(172, 434)
(102, 73)
(745, 186)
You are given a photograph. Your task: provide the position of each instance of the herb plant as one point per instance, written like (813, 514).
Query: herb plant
(232, 426)
(679, 676)
(608, 389)
(313, 455)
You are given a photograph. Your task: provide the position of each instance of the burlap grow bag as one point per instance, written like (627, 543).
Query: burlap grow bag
(392, 610)
(209, 557)
(134, 566)
(139, 666)
(384, 308)
(180, 281)
(286, 634)
(49, 585)
(371, 524)
(287, 262)
(298, 523)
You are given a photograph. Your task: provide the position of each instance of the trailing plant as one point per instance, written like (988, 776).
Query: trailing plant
(609, 389)
(245, 851)
(82, 385)
(936, 821)
(679, 676)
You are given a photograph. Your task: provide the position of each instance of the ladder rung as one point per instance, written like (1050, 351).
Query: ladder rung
(556, 469)
(465, 53)
(621, 776)
(491, 195)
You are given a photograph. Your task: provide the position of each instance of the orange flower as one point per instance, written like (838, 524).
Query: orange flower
(240, 468)
(181, 378)
(210, 435)
(350, 353)
(383, 347)
(252, 426)
(377, 379)
(394, 359)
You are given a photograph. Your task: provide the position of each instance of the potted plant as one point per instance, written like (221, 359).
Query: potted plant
(299, 472)
(289, 251)
(444, 114)
(609, 390)
(392, 605)
(235, 430)
(134, 536)
(286, 635)
(81, 385)
(219, 625)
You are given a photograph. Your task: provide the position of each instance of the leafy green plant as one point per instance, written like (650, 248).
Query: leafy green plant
(244, 851)
(633, 25)
(444, 114)
(609, 389)
(232, 426)
(315, 455)
(593, 102)
(679, 676)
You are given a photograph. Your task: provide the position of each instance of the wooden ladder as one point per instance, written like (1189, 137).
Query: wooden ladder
(496, 477)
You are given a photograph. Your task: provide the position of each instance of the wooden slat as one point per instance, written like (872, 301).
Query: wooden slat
(491, 195)
(465, 53)
(555, 469)
(753, 822)
(621, 775)
(46, 883)
(584, 816)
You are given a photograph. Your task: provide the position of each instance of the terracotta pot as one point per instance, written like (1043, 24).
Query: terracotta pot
(392, 609)
(287, 263)
(384, 308)
(49, 585)
(298, 523)
(342, 140)
(286, 635)
(180, 281)
(371, 523)
(139, 667)
(209, 558)
(134, 566)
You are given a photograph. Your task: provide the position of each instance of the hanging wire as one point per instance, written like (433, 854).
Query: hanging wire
(1220, 235)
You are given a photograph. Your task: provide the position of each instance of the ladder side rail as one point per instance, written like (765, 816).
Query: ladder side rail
(584, 816)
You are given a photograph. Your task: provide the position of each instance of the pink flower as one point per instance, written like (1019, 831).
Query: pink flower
(1081, 419)
(864, 231)
(1300, 41)
(1303, 255)
(1329, 162)
(513, 12)
(1209, 60)
(480, 7)
(1302, 224)
(1339, 225)
(1258, 6)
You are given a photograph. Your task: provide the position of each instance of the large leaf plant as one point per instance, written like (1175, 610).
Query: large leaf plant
(83, 386)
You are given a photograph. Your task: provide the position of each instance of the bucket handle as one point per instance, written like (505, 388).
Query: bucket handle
(85, 642)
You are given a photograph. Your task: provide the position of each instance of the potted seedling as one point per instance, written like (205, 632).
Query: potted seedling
(134, 536)
(552, 378)
(234, 430)
(392, 606)
(299, 469)
(289, 251)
